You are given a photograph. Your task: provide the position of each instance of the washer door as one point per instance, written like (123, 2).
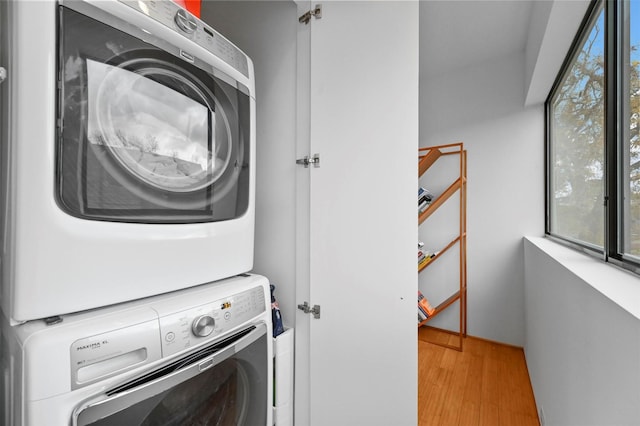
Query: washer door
(226, 383)
(145, 136)
(218, 397)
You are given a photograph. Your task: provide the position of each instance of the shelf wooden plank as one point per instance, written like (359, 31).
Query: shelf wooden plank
(427, 160)
(440, 200)
(440, 253)
(455, 146)
(441, 307)
(447, 302)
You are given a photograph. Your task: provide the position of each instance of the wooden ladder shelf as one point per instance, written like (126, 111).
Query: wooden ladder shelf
(427, 157)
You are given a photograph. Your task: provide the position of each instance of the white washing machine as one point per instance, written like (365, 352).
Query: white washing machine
(128, 135)
(200, 356)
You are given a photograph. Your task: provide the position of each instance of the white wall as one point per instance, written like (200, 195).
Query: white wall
(271, 44)
(583, 349)
(553, 27)
(483, 106)
(496, 109)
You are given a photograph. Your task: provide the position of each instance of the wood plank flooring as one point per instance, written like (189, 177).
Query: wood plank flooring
(485, 385)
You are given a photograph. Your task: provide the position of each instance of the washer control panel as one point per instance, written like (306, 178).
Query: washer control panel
(179, 19)
(190, 327)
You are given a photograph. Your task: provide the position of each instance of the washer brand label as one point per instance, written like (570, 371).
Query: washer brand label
(103, 355)
(93, 345)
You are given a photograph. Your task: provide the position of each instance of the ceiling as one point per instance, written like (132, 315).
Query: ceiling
(455, 34)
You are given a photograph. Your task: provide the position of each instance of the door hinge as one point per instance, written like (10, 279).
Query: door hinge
(305, 161)
(309, 310)
(316, 13)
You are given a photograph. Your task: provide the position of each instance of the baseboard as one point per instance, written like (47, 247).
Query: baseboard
(468, 336)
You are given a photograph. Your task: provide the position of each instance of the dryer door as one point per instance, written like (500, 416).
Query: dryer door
(144, 135)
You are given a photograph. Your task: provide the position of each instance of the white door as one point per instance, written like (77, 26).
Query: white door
(357, 215)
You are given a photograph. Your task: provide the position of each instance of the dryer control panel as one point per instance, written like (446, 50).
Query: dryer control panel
(182, 330)
(175, 17)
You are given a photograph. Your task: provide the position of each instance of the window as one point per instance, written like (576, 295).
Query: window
(576, 125)
(593, 137)
(630, 138)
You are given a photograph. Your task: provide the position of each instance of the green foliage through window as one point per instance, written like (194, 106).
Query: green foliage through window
(593, 136)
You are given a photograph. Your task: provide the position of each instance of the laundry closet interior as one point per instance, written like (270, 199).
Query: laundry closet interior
(189, 165)
(170, 169)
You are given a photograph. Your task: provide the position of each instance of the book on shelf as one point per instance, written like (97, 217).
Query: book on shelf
(424, 199)
(424, 195)
(424, 305)
(422, 314)
(424, 256)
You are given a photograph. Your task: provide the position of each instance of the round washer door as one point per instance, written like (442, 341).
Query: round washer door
(218, 397)
(226, 383)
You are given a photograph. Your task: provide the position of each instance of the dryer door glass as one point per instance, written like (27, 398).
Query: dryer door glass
(153, 131)
(143, 135)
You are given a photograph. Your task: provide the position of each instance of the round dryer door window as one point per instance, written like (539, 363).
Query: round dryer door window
(160, 123)
(145, 135)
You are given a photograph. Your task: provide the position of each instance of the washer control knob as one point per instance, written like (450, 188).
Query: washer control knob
(203, 325)
(185, 21)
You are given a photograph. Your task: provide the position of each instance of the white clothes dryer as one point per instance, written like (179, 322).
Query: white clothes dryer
(196, 356)
(128, 169)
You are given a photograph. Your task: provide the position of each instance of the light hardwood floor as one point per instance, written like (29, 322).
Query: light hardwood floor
(487, 384)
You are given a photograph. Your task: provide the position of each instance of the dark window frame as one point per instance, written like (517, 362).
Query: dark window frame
(612, 251)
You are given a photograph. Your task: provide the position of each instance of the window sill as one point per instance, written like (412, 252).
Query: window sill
(618, 285)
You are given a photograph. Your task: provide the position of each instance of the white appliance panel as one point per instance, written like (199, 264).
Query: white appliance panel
(45, 359)
(54, 263)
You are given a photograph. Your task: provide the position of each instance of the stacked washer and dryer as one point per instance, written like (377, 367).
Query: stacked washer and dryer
(128, 171)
